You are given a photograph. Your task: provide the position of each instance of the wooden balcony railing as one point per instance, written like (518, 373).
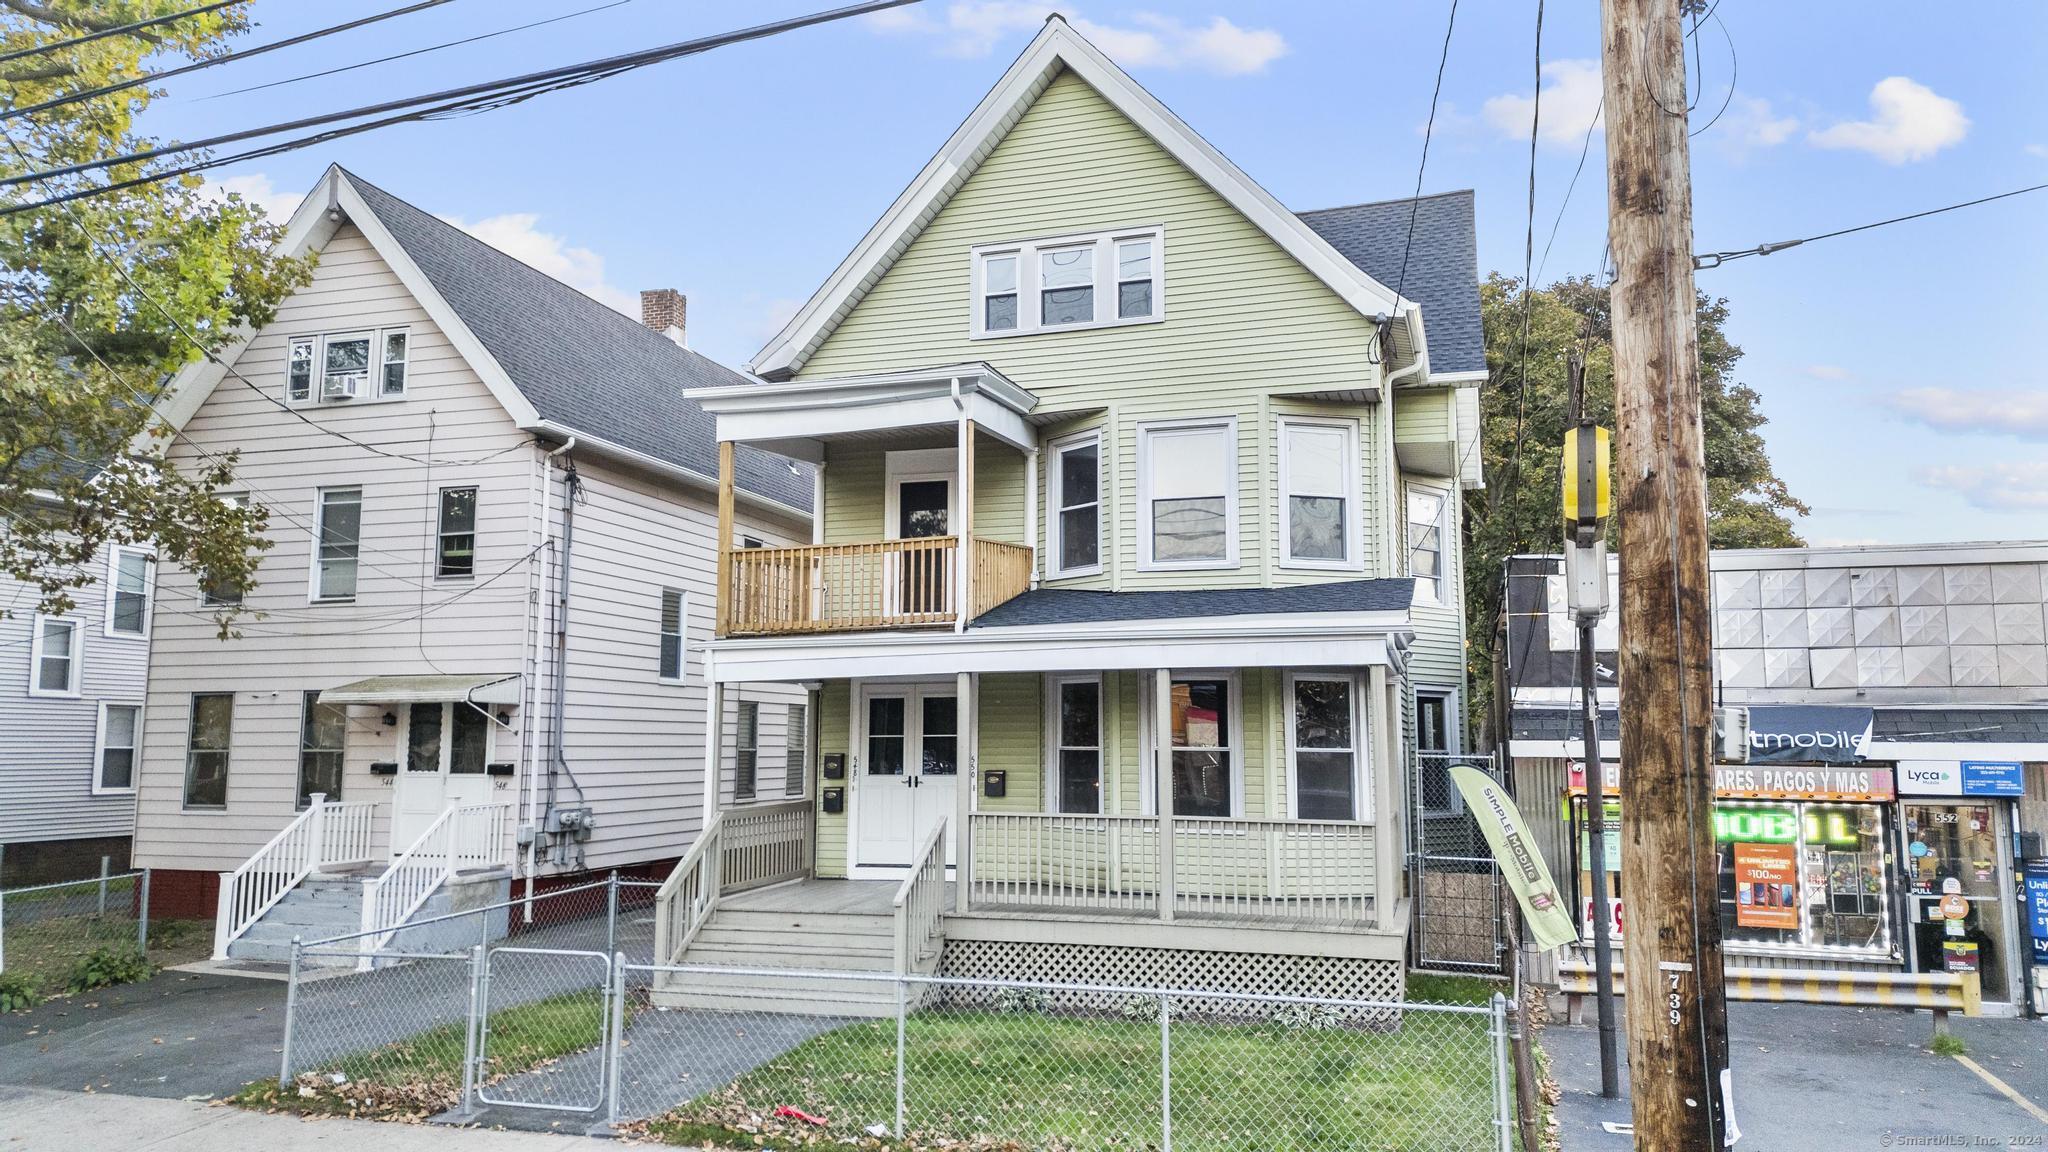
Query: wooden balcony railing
(858, 587)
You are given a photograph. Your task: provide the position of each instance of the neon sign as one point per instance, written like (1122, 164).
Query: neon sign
(1782, 826)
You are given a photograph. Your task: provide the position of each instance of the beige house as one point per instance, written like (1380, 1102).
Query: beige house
(473, 652)
(1134, 580)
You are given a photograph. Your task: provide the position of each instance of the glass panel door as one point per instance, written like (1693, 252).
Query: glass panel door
(1957, 842)
(923, 510)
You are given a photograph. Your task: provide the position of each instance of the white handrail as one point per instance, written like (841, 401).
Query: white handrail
(460, 838)
(920, 903)
(690, 894)
(322, 836)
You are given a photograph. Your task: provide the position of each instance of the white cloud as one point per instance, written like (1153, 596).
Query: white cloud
(257, 189)
(2015, 412)
(973, 28)
(1571, 97)
(517, 235)
(1995, 487)
(1751, 123)
(2039, 151)
(1830, 372)
(1908, 121)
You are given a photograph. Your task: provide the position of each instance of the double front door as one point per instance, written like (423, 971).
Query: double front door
(909, 774)
(446, 747)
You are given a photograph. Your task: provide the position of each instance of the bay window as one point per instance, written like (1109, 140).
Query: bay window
(1077, 505)
(1090, 280)
(1319, 478)
(1187, 494)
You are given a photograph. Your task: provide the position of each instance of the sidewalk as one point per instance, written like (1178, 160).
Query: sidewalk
(40, 1119)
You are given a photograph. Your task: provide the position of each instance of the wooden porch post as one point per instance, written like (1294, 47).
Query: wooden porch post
(963, 552)
(1386, 817)
(967, 685)
(723, 595)
(1162, 781)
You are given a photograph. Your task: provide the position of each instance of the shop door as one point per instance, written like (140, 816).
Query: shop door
(1958, 840)
(446, 747)
(909, 772)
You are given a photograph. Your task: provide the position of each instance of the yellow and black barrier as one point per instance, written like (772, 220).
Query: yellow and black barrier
(1938, 992)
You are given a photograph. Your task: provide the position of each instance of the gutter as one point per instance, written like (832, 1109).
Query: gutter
(664, 468)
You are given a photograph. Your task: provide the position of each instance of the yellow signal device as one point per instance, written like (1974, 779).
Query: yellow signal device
(1588, 486)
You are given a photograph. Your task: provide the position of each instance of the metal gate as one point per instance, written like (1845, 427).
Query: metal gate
(549, 1013)
(1455, 885)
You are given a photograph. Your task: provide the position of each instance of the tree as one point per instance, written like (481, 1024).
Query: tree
(97, 298)
(1522, 433)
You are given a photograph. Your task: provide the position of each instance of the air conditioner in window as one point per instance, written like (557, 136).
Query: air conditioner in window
(341, 387)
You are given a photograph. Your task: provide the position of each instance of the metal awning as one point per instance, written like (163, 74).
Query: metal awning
(477, 688)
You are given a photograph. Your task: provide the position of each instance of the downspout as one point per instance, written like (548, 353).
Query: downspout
(532, 718)
(557, 762)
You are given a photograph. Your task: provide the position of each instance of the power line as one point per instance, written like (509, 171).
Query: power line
(1585, 147)
(124, 29)
(413, 52)
(1716, 259)
(471, 97)
(1428, 130)
(1529, 248)
(223, 58)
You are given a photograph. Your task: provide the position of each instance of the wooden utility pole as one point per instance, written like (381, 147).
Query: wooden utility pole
(1677, 1015)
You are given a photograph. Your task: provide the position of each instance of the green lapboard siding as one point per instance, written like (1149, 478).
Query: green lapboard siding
(856, 496)
(835, 711)
(1012, 739)
(1243, 318)
(999, 478)
(1423, 413)
(1437, 658)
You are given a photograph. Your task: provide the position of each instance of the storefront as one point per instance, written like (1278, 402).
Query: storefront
(1958, 828)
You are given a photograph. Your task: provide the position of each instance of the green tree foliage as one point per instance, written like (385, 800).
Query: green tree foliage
(1519, 510)
(93, 297)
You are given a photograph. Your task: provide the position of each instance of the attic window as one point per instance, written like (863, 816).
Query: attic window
(1091, 280)
(347, 367)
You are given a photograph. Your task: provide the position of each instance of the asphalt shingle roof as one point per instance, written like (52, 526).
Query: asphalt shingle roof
(579, 363)
(1443, 266)
(1069, 606)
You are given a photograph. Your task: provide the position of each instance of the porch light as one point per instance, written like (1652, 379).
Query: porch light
(390, 719)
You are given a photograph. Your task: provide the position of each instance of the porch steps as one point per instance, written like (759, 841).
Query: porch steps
(323, 905)
(813, 940)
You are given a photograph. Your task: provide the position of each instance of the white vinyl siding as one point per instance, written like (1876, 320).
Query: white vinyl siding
(1089, 280)
(56, 656)
(120, 731)
(1187, 494)
(1076, 523)
(1319, 493)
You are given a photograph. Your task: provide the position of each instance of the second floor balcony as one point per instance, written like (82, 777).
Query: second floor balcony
(907, 583)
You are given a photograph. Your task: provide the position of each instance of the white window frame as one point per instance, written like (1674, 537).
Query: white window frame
(114, 555)
(1361, 746)
(1426, 595)
(1029, 320)
(35, 657)
(1056, 504)
(100, 747)
(442, 533)
(1146, 430)
(1353, 496)
(1454, 722)
(384, 361)
(1152, 730)
(373, 383)
(682, 634)
(313, 582)
(1054, 684)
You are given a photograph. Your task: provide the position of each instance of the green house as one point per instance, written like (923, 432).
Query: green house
(1134, 587)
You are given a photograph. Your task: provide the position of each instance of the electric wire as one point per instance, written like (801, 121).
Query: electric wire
(1716, 259)
(123, 30)
(1428, 130)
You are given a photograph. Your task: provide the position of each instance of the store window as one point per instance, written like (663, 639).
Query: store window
(1956, 841)
(1801, 874)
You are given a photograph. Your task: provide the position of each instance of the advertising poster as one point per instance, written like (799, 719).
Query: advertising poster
(1544, 912)
(2037, 910)
(1767, 886)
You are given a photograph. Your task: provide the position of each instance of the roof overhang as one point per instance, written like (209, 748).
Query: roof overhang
(495, 688)
(797, 418)
(1056, 48)
(1307, 640)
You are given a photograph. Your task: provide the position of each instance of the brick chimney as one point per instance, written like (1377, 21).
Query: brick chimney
(665, 310)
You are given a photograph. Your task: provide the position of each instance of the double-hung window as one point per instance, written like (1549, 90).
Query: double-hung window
(323, 742)
(1077, 505)
(392, 380)
(1187, 494)
(347, 367)
(746, 751)
(338, 530)
(455, 535)
(113, 759)
(298, 371)
(1318, 500)
(1203, 755)
(129, 578)
(1077, 745)
(1426, 543)
(206, 749)
(1325, 748)
(1089, 280)
(672, 620)
(54, 656)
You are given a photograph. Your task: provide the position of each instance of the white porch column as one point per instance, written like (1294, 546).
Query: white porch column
(1386, 813)
(1162, 781)
(967, 689)
(714, 733)
(1032, 532)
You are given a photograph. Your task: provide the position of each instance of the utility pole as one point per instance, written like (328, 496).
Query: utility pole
(1677, 1013)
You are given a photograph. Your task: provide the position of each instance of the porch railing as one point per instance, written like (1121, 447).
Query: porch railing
(689, 895)
(323, 836)
(858, 587)
(920, 904)
(460, 839)
(746, 847)
(1281, 870)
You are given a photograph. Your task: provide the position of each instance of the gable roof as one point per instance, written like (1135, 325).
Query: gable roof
(1056, 49)
(1443, 266)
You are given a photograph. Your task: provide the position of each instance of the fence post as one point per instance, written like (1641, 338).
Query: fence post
(1165, 1073)
(1503, 1122)
(142, 918)
(3, 929)
(611, 913)
(902, 1010)
(291, 1008)
(616, 1048)
(470, 1034)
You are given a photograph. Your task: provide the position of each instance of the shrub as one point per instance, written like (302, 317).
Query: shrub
(16, 993)
(1308, 1018)
(105, 967)
(1145, 1008)
(1023, 1001)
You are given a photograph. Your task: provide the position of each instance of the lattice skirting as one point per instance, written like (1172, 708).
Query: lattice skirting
(1254, 973)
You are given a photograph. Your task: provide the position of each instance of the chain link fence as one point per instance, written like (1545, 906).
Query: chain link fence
(1455, 912)
(75, 934)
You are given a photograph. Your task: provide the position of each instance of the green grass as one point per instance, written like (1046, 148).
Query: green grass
(1438, 988)
(422, 1075)
(1947, 1044)
(1093, 1083)
(46, 952)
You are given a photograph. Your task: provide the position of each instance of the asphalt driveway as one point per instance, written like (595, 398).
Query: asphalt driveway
(177, 1034)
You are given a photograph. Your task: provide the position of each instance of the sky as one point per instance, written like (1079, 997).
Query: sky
(1900, 368)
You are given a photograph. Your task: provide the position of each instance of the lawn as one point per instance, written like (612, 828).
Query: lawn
(48, 933)
(1034, 1081)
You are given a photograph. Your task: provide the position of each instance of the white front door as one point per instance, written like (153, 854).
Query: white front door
(908, 774)
(444, 748)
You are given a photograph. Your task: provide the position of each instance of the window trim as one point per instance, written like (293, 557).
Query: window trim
(1056, 504)
(1230, 558)
(227, 764)
(1455, 745)
(1029, 320)
(313, 571)
(796, 747)
(35, 657)
(1434, 595)
(1054, 683)
(384, 361)
(114, 554)
(373, 385)
(1353, 495)
(309, 699)
(1152, 729)
(441, 532)
(1361, 746)
(99, 750)
(682, 634)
